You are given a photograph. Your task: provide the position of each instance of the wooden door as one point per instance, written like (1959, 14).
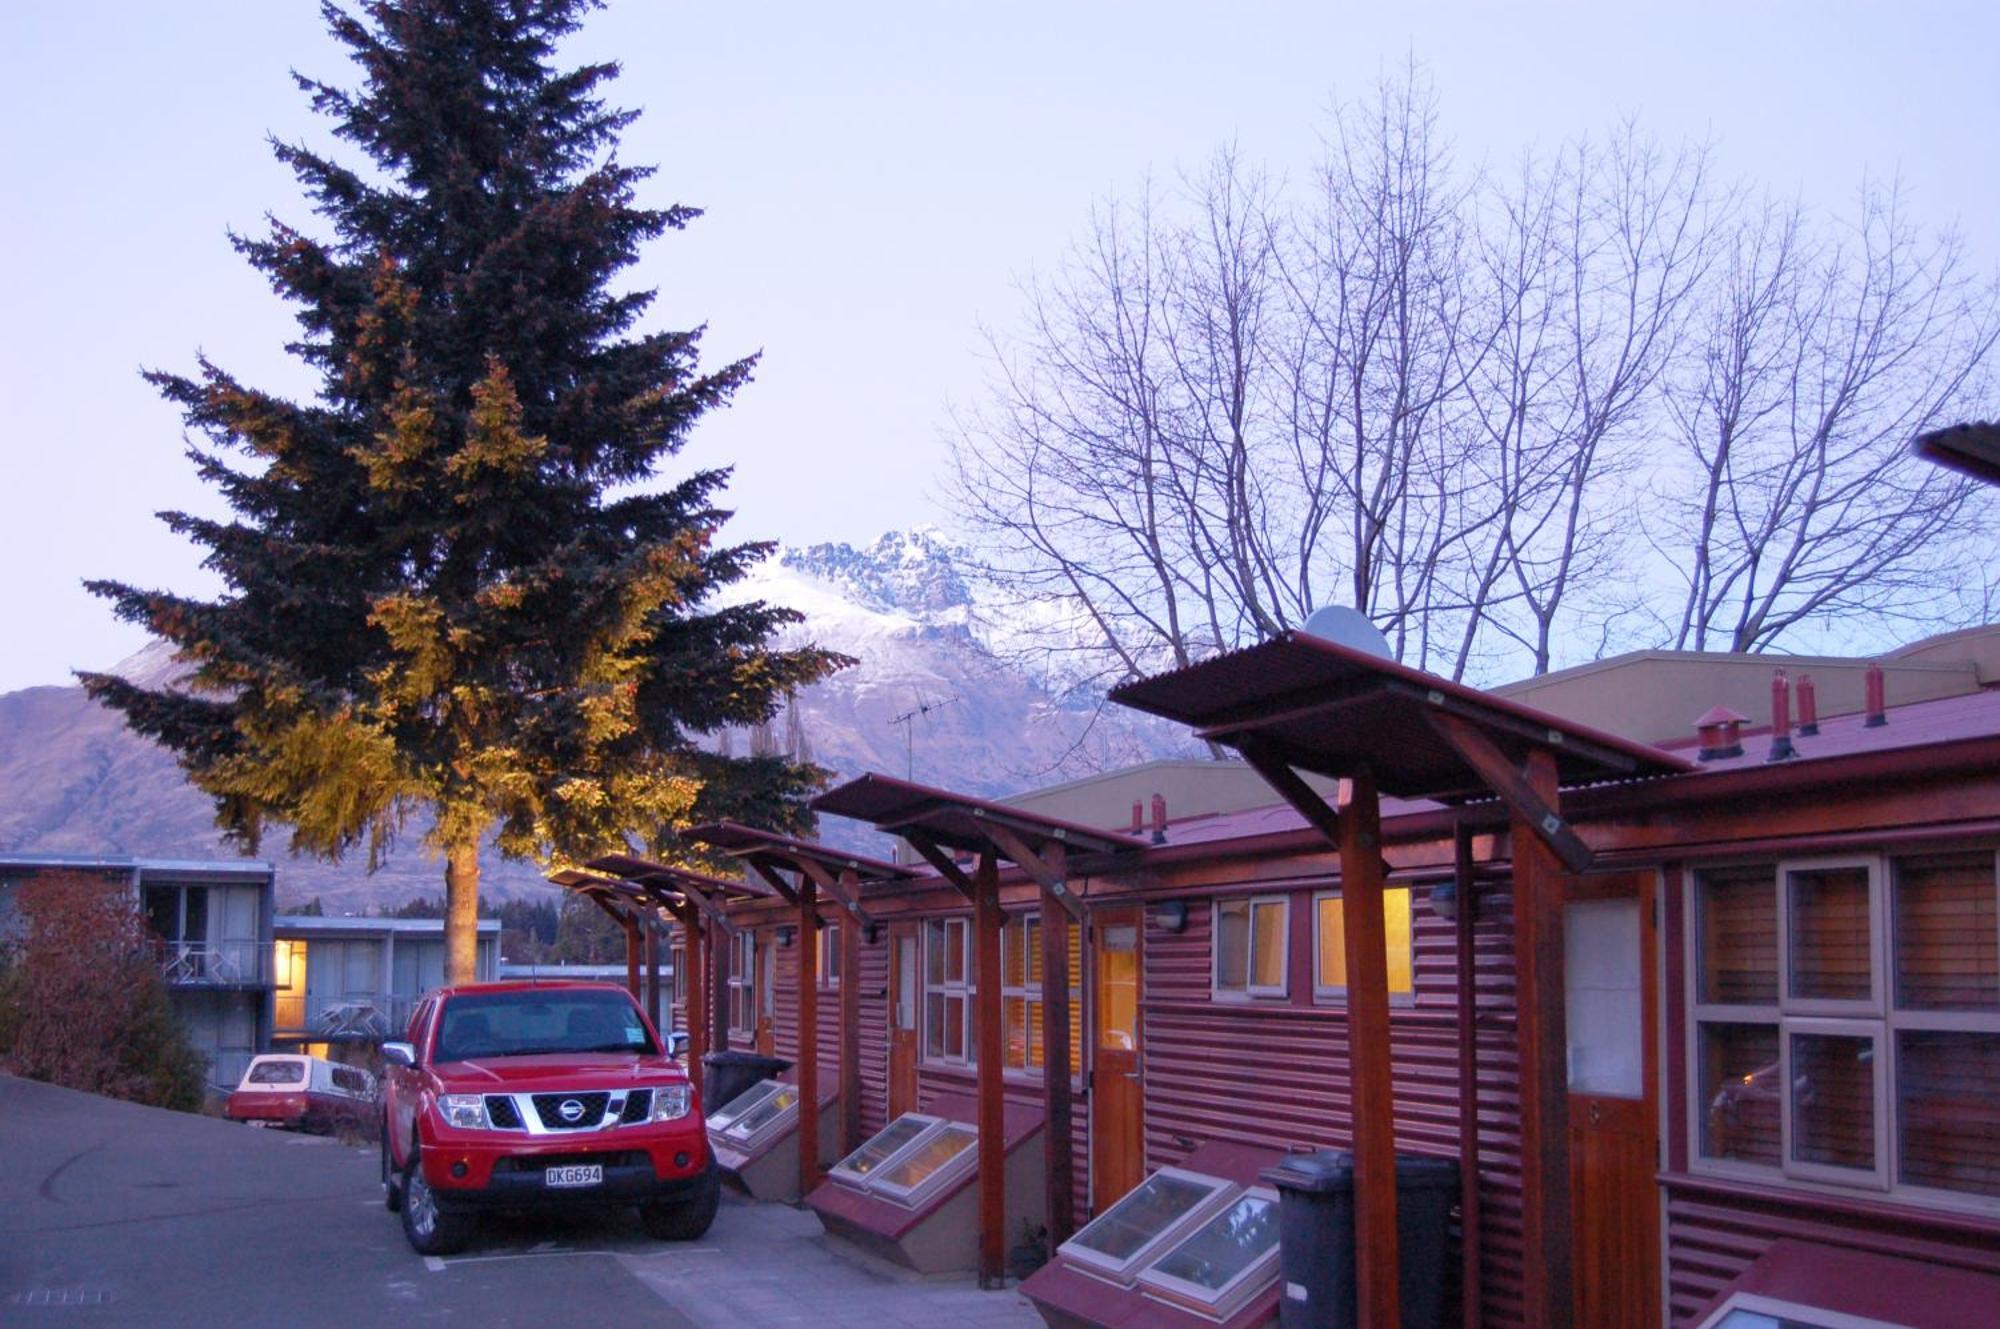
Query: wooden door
(903, 996)
(1611, 982)
(1117, 1097)
(767, 992)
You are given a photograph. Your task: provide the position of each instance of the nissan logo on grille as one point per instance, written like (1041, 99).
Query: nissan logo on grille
(571, 1109)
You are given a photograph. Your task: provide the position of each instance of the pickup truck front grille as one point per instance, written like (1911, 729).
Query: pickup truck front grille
(500, 1110)
(571, 1112)
(638, 1106)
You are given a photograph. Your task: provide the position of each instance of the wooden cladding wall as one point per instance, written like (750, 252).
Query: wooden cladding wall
(1274, 1072)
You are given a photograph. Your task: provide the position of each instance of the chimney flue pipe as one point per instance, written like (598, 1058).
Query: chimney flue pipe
(1781, 719)
(1159, 818)
(1878, 701)
(1808, 707)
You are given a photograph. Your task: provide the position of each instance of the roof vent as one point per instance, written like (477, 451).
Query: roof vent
(1138, 816)
(1159, 818)
(1781, 718)
(1878, 701)
(1808, 708)
(1721, 734)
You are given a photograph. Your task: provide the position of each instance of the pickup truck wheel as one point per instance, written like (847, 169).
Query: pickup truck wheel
(686, 1220)
(430, 1230)
(392, 1191)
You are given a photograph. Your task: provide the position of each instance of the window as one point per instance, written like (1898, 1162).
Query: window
(1250, 946)
(948, 991)
(1219, 1266)
(1847, 1023)
(1330, 945)
(827, 961)
(1021, 993)
(921, 1170)
(742, 984)
(721, 1119)
(677, 958)
(774, 1112)
(1151, 1217)
(884, 1145)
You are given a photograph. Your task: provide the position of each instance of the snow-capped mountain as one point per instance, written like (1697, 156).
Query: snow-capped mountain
(929, 696)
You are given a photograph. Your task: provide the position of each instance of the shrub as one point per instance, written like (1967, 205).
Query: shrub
(82, 1004)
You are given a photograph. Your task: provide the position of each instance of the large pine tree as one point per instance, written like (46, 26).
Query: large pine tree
(446, 596)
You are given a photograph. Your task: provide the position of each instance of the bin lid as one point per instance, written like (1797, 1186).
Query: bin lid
(733, 1057)
(1327, 1171)
(1323, 1172)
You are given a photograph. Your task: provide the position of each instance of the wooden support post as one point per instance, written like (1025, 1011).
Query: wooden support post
(808, 944)
(693, 937)
(653, 1010)
(1469, 1279)
(850, 1022)
(721, 956)
(1056, 1059)
(1543, 1040)
(992, 1115)
(1372, 1106)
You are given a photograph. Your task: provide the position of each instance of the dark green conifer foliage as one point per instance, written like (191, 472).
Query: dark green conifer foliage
(442, 596)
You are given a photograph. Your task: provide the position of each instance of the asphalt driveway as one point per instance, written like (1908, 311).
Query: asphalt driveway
(112, 1214)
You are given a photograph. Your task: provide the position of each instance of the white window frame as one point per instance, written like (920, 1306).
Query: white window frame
(721, 1119)
(842, 1172)
(961, 991)
(750, 1141)
(677, 957)
(1225, 1301)
(827, 971)
(915, 1196)
(1336, 995)
(1877, 1177)
(1125, 1272)
(1834, 1007)
(1882, 1023)
(1014, 932)
(1251, 989)
(743, 982)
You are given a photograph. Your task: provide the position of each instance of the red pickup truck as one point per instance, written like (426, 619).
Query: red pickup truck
(526, 1095)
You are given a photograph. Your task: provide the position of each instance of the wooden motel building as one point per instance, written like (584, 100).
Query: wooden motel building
(1701, 1006)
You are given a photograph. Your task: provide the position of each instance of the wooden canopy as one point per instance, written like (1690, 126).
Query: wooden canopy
(1302, 703)
(816, 867)
(937, 824)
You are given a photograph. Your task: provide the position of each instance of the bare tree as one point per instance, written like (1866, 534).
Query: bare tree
(1817, 361)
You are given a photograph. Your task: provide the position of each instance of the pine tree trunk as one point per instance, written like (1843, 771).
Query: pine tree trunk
(461, 914)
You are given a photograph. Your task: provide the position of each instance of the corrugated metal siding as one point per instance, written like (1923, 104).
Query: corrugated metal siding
(874, 980)
(1276, 1072)
(1712, 1238)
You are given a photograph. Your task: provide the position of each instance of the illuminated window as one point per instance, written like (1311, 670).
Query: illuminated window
(742, 984)
(1250, 946)
(827, 965)
(1021, 993)
(1330, 945)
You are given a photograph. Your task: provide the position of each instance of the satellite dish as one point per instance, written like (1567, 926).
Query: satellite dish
(1350, 628)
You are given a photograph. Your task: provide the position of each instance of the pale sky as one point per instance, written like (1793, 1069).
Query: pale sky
(876, 177)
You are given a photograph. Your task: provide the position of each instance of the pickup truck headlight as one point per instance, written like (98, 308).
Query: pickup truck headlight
(670, 1102)
(465, 1111)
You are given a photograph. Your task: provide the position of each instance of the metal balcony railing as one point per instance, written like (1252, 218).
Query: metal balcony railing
(356, 1015)
(220, 964)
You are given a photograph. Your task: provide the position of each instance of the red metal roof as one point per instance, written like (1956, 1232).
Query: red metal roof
(626, 867)
(753, 845)
(957, 820)
(1972, 448)
(1913, 724)
(1328, 708)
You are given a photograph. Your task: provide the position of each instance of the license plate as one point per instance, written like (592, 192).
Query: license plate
(579, 1174)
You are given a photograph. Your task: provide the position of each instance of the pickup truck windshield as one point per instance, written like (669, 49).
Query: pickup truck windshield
(519, 1024)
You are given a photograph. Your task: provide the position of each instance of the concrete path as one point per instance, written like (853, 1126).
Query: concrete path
(112, 1214)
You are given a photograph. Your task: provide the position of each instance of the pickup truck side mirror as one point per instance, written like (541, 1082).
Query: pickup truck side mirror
(399, 1054)
(677, 1043)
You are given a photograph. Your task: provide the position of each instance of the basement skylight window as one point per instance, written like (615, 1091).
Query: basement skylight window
(859, 1167)
(1151, 1218)
(1745, 1311)
(720, 1119)
(769, 1116)
(1217, 1268)
(928, 1166)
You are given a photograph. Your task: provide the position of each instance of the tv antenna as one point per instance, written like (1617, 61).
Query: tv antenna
(908, 719)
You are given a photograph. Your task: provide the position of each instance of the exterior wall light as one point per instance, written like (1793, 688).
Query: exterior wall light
(1444, 901)
(785, 936)
(1171, 915)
